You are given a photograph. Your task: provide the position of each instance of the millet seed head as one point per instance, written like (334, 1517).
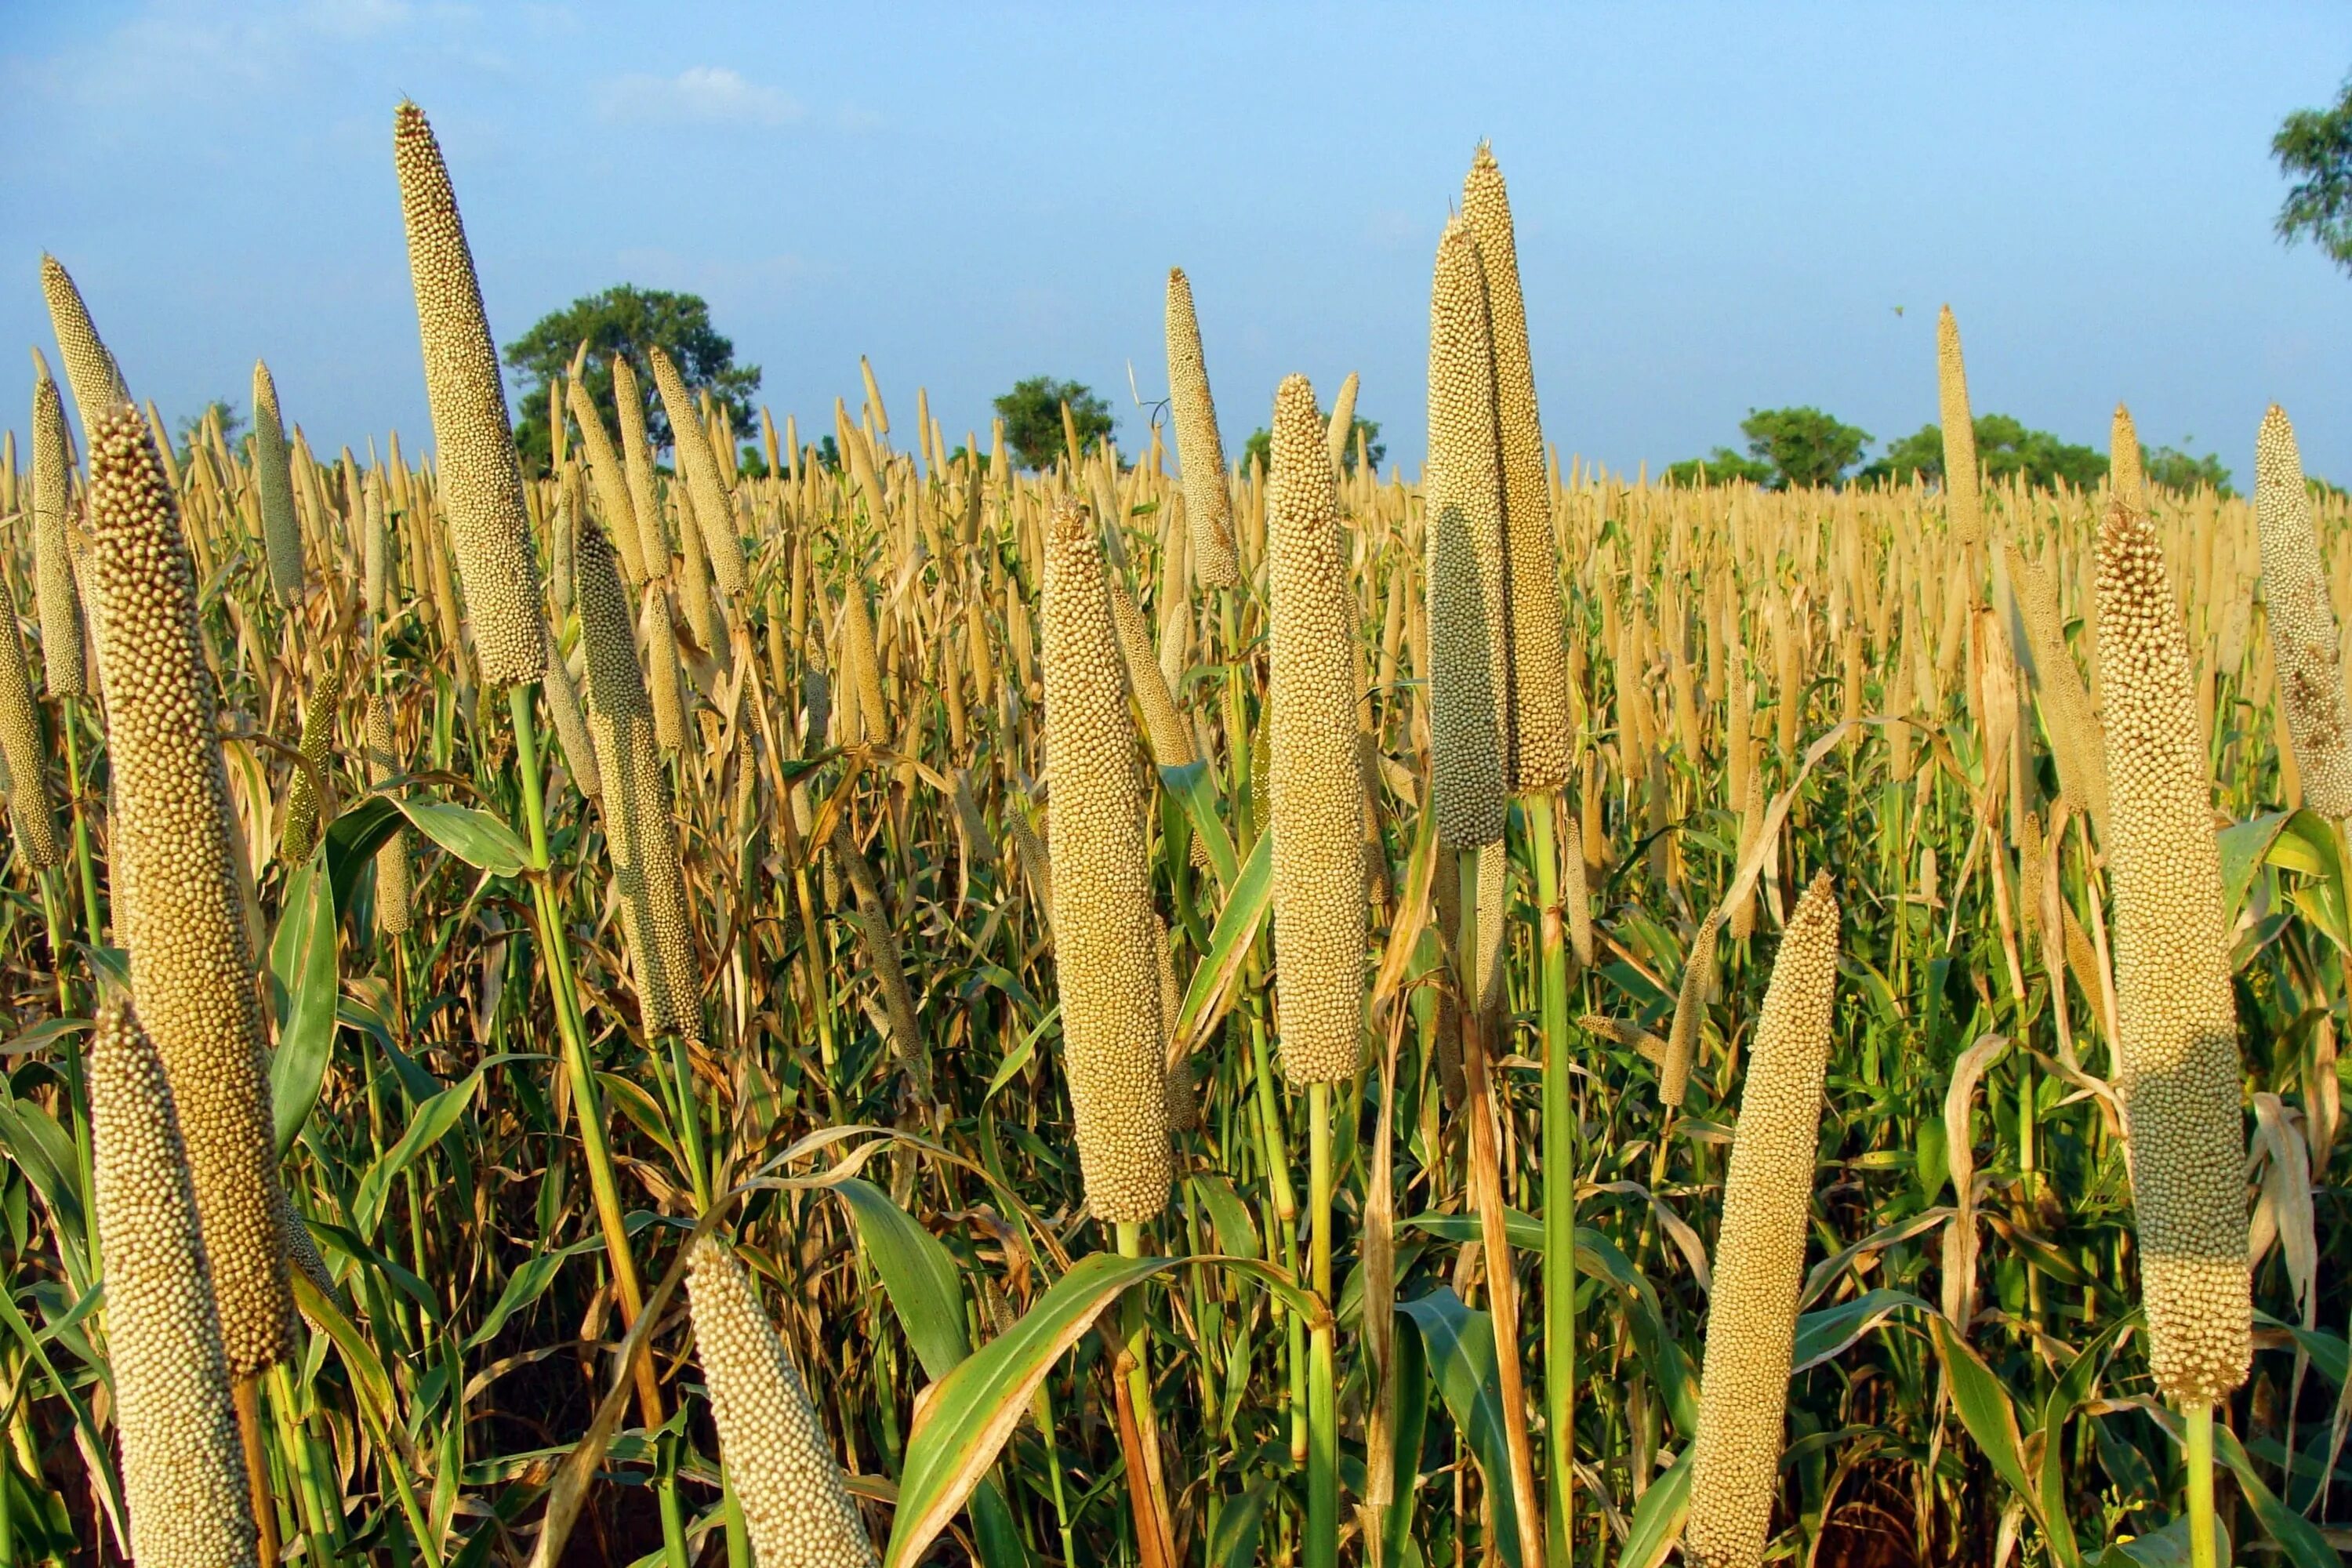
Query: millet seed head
(317, 739)
(1109, 982)
(2069, 718)
(1540, 736)
(1200, 450)
(32, 817)
(90, 369)
(706, 487)
(281, 534)
(1759, 1252)
(182, 1468)
(1170, 737)
(1314, 785)
(191, 968)
(63, 662)
(1962, 501)
(796, 1502)
(1469, 674)
(2302, 615)
(392, 873)
(2178, 1056)
(609, 476)
(2126, 477)
(481, 479)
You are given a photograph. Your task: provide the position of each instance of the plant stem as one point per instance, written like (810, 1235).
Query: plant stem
(566, 997)
(246, 1395)
(1322, 1440)
(80, 821)
(1560, 1162)
(2200, 1485)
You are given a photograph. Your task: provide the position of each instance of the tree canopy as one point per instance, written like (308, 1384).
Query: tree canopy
(1788, 448)
(2004, 447)
(2314, 149)
(1259, 447)
(626, 320)
(1032, 412)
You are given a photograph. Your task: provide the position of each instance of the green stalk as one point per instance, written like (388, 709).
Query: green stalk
(309, 1489)
(1322, 1439)
(1559, 1188)
(2200, 1485)
(77, 1091)
(566, 997)
(1276, 1154)
(80, 821)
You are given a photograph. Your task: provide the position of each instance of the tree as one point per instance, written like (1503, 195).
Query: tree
(1259, 447)
(191, 426)
(2005, 446)
(628, 320)
(2177, 470)
(2314, 149)
(1032, 412)
(1722, 465)
(1805, 446)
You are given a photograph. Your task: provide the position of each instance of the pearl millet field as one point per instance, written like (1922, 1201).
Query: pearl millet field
(1174, 1008)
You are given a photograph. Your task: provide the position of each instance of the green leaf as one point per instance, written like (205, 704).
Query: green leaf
(351, 840)
(1190, 784)
(975, 1407)
(2300, 1539)
(2244, 846)
(1234, 1541)
(1598, 1257)
(303, 981)
(1523, 1232)
(1229, 1217)
(477, 838)
(1411, 1363)
(1461, 1346)
(2165, 1548)
(1229, 945)
(1824, 1335)
(1984, 1408)
(429, 1126)
(526, 1285)
(41, 1149)
(1018, 1057)
(1658, 1517)
(918, 1276)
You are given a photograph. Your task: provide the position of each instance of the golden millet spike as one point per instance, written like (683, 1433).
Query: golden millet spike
(610, 478)
(192, 969)
(571, 729)
(2176, 1059)
(392, 874)
(1759, 1252)
(2303, 640)
(706, 487)
(1690, 1012)
(481, 479)
(1163, 726)
(63, 664)
(2067, 715)
(1343, 422)
(301, 832)
(1540, 743)
(664, 674)
(90, 369)
(1315, 783)
(640, 828)
(1200, 450)
(1963, 503)
(637, 468)
(1468, 676)
(183, 1480)
(31, 815)
(281, 535)
(1107, 975)
(2126, 476)
(778, 1459)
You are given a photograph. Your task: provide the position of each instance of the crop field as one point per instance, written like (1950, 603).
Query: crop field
(1173, 1008)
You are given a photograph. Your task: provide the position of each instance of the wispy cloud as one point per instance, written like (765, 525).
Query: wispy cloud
(708, 94)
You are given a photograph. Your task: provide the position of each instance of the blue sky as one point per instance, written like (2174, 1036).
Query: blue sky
(1719, 207)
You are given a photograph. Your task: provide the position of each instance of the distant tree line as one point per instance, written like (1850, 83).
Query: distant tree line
(1798, 448)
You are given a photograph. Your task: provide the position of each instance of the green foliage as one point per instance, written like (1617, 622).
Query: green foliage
(192, 425)
(2314, 149)
(1032, 412)
(1722, 465)
(2177, 470)
(1259, 447)
(1788, 448)
(626, 319)
(2005, 446)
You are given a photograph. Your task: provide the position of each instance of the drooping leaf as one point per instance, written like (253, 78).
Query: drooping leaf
(304, 977)
(1461, 1347)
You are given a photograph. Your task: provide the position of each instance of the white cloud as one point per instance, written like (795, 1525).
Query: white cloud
(710, 95)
